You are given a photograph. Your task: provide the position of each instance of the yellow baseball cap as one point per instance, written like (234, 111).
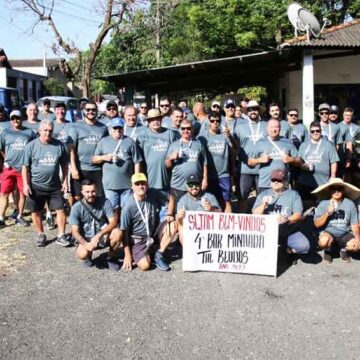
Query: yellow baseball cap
(138, 177)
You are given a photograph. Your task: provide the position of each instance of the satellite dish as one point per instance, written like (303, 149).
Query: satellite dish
(310, 22)
(303, 20)
(293, 15)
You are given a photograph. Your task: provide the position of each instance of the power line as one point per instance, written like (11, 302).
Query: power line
(77, 5)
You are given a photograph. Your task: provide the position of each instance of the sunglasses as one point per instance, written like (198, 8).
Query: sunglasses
(314, 131)
(216, 107)
(90, 110)
(252, 109)
(215, 121)
(293, 115)
(193, 185)
(336, 188)
(117, 128)
(15, 118)
(111, 108)
(143, 107)
(276, 180)
(230, 107)
(141, 183)
(186, 128)
(164, 105)
(324, 113)
(333, 113)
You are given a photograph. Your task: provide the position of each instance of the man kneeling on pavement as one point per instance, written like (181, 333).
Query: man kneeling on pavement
(94, 225)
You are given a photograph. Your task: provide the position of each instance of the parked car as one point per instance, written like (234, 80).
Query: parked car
(72, 106)
(9, 97)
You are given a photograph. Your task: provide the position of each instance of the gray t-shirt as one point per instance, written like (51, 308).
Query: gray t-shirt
(191, 162)
(218, 153)
(341, 220)
(13, 143)
(286, 203)
(247, 134)
(134, 132)
(285, 129)
(187, 202)
(48, 116)
(275, 149)
(131, 219)
(62, 133)
(298, 134)
(88, 226)
(117, 176)
(349, 132)
(32, 125)
(4, 125)
(321, 156)
(85, 137)
(332, 132)
(154, 147)
(44, 161)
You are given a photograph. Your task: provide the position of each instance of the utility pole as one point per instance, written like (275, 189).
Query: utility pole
(157, 44)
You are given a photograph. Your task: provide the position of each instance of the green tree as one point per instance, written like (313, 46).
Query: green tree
(53, 87)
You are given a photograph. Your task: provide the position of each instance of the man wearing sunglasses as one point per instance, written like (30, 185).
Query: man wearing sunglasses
(334, 114)
(319, 162)
(185, 157)
(12, 145)
(229, 120)
(142, 115)
(111, 112)
(120, 158)
(165, 106)
(220, 160)
(85, 136)
(154, 143)
(329, 130)
(194, 200)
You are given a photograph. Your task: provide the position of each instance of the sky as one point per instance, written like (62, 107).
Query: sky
(75, 19)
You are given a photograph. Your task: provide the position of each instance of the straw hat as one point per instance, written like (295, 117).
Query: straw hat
(350, 191)
(153, 114)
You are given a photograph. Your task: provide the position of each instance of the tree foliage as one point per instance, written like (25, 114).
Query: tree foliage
(53, 87)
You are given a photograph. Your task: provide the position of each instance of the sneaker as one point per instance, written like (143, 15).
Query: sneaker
(63, 241)
(21, 221)
(328, 256)
(50, 222)
(2, 223)
(41, 241)
(160, 262)
(113, 264)
(344, 255)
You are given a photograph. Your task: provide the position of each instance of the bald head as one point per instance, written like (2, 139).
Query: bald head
(199, 109)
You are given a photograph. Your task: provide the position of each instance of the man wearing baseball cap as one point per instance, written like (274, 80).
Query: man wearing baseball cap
(329, 129)
(111, 112)
(143, 230)
(287, 206)
(120, 158)
(12, 143)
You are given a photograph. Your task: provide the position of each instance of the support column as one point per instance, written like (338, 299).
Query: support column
(308, 88)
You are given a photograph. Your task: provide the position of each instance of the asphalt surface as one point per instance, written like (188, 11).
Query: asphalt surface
(52, 308)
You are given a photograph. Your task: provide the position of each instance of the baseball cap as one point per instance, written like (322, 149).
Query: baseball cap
(252, 104)
(215, 102)
(324, 106)
(334, 108)
(138, 177)
(16, 113)
(116, 122)
(111, 104)
(278, 174)
(229, 102)
(193, 179)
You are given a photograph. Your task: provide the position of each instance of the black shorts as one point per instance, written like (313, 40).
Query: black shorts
(341, 241)
(37, 199)
(93, 176)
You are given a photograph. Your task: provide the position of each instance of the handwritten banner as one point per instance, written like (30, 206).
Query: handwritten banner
(237, 243)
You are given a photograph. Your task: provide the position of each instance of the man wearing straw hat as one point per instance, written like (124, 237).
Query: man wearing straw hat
(337, 219)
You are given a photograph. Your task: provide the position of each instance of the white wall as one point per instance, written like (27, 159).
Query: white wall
(3, 78)
(33, 70)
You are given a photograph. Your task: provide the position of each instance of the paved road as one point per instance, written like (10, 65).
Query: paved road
(51, 308)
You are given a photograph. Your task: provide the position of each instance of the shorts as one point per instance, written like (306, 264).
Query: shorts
(139, 248)
(37, 199)
(94, 176)
(221, 188)
(341, 241)
(247, 182)
(9, 178)
(114, 196)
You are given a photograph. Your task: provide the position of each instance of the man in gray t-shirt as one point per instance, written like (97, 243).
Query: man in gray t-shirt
(120, 158)
(43, 158)
(94, 225)
(32, 122)
(132, 128)
(85, 136)
(12, 144)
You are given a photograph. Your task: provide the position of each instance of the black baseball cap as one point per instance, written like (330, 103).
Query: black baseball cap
(111, 104)
(193, 179)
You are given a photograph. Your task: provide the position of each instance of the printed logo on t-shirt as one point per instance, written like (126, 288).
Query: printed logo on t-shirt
(62, 136)
(276, 209)
(217, 147)
(339, 219)
(160, 146)
(48, 159)
(19, 144)
(92, 138)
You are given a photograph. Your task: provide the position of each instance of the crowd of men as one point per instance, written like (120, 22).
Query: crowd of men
(129, 180)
